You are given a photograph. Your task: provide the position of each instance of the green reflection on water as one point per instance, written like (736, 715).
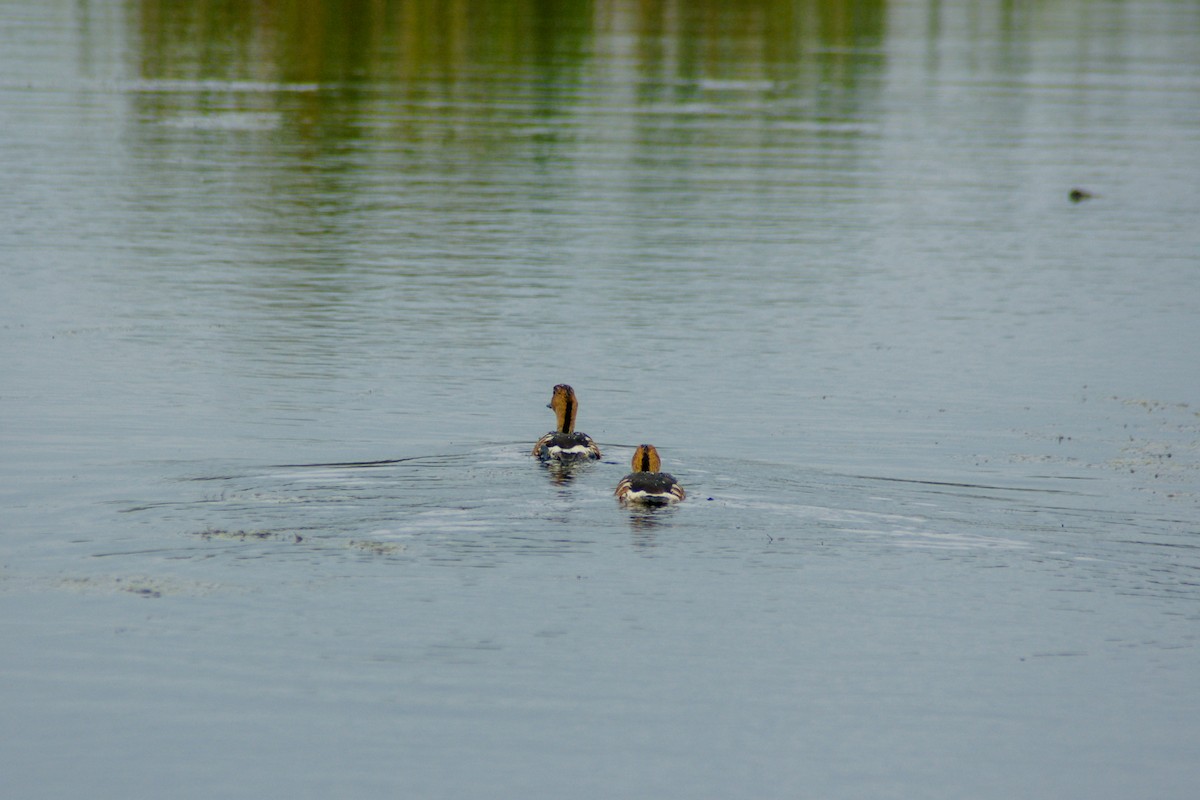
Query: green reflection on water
(479, 82)
(450, 93)
(375, 40)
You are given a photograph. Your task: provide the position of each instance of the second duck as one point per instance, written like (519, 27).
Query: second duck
(646, 485)
(564, 443)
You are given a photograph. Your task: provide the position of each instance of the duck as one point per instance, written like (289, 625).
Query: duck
(646, 485)
(564, 443)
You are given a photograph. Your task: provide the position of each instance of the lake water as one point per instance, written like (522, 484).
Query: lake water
(286, 287)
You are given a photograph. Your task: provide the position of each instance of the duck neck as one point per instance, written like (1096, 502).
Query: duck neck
(567, 423)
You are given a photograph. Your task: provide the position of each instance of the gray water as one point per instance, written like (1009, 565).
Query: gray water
(286, 288)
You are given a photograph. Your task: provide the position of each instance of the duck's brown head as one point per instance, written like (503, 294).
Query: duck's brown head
(565, 406)
(645, 459)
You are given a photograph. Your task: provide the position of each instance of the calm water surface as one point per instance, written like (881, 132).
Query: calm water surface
(286, 287)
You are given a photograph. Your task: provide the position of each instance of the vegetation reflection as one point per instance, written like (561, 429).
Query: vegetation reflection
(377, 40)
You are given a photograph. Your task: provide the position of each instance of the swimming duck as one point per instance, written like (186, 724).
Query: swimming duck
(564, 443)
(646, 484)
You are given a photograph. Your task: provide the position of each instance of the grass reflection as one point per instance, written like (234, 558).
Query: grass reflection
(331, 41)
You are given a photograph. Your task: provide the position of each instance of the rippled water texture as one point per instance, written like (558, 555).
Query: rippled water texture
(286, 287)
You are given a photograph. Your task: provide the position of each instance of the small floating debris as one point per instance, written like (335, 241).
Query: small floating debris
(251, 535)
(239, 535)
(376, 548)
(145, 586)
(1078, 195)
